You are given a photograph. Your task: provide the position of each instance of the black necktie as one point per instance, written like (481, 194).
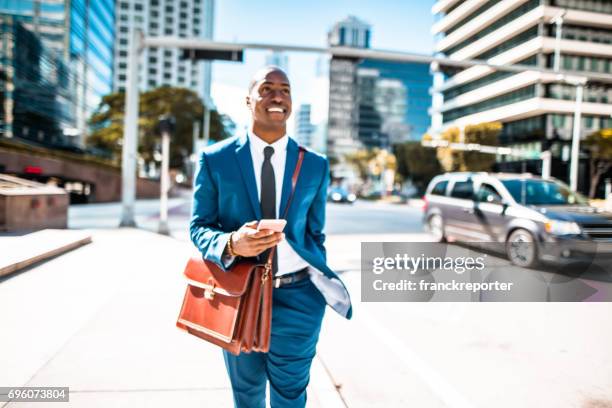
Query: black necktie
(268, 195)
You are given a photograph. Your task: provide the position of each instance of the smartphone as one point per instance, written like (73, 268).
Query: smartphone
(276, 225)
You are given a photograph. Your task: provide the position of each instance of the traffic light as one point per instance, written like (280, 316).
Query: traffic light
(223, 55)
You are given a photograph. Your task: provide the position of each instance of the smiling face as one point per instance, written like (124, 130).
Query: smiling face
(269, 100)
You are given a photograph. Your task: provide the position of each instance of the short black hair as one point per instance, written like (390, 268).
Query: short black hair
(262, 72)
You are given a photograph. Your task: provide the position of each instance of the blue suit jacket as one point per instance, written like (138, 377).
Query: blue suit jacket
(225, 197)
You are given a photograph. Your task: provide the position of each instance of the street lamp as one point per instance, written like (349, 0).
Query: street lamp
(579, 82)
(165, 127)
(558, 21)
(130, 128)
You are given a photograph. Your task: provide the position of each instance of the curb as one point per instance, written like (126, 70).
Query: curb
(29, 249)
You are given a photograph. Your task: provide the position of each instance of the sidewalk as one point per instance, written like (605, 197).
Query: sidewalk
(101, 320)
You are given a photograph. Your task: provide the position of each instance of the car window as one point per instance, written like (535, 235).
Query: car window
(488, 194)
(440, 188)
(542, 192)
(463, 189)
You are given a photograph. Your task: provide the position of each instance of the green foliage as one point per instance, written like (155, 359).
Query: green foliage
(361, 160)
(485, 134)
(599, 145)
(417, 163)
(182, 103)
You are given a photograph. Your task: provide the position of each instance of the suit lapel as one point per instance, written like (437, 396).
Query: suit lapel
(290, 162)
(245, 162)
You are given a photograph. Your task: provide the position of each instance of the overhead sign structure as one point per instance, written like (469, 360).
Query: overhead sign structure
(212, 50)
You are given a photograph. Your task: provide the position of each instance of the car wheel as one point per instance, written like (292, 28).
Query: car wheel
(435, 224)
(522, 249)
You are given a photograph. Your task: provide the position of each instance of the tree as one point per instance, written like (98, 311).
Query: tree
(449, 159)
(417, 163)
(485, 134)
(599, 145)
(183, 104)
(361, 161)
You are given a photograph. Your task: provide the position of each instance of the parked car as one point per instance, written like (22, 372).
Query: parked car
(340, 195)
(531, 219)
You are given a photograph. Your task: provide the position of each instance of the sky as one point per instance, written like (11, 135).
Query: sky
(402, 25)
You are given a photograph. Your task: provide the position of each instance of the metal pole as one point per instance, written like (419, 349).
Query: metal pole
(165, 184)
(130, 134)
(559, 23)
(546, 157)
(576, 138)
(206, 127)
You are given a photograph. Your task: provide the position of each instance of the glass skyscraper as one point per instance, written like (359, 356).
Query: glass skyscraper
(373, 103)
(80, 34)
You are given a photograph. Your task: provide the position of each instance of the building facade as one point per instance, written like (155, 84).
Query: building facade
(278, 59)
(304, 128)
(36, 84)
(81, 34)
(373, 103)
(164, 66)
(535, 109)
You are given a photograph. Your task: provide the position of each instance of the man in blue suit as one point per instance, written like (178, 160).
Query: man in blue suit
(248, 178)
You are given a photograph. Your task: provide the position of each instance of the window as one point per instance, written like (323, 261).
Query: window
(138, 7)
(440, 188)
(463, 189)
(488, 194)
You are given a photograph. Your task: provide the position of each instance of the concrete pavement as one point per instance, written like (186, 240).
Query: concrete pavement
(100, 320)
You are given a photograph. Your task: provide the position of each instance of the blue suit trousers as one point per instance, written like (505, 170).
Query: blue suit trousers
(297, 313)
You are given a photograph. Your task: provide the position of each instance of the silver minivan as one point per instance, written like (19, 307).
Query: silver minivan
(531, 219)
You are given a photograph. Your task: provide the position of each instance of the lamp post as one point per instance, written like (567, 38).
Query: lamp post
(130, 139)
(574, 162)
(558, 21)
(165, 127)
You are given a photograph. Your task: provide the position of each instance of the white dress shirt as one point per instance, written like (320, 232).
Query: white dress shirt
(288, 260)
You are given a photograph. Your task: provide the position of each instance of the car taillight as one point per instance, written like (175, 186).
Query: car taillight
(425, 203)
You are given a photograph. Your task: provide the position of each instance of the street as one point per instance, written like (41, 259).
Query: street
(516, 354)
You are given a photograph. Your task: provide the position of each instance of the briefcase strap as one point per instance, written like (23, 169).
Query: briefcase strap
(294, 178)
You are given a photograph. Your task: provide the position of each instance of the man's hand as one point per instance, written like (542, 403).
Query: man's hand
(248, 242)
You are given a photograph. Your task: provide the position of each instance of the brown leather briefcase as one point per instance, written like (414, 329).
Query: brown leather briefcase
(232, 309)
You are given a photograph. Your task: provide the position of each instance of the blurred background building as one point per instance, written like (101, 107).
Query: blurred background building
(56, 66)
(304, 128)
(373, 103)
(185, 18)
(279, 59)
(535, 109)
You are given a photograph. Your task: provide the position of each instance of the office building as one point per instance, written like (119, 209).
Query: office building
(304, 128)
(373, 103)
(164, 66)
(536, 109)
(278, 59)
(36, 87)
(76, 42)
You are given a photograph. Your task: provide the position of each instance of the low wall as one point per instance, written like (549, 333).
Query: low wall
(27, 205)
